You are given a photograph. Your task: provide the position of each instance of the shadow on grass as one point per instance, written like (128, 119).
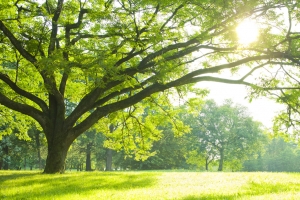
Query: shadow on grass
(9, 175)
(57, 186)
(252, 189)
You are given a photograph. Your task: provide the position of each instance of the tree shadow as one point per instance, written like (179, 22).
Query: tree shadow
(56, 186)
(16, 175)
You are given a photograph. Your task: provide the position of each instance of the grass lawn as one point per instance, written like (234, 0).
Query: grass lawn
(149, 185)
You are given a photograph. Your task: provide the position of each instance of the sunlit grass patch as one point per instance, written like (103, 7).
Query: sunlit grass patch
(149, 185)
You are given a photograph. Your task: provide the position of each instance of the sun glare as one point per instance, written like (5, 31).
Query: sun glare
(247, 32)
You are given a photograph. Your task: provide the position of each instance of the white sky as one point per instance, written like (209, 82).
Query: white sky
(261, 109)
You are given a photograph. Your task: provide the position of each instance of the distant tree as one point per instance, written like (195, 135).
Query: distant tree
(20, 153)
(84, 151)
(278, 156)
(201, 155)
(4, 153)
(38, 142)
(225, 133)
(109, 152)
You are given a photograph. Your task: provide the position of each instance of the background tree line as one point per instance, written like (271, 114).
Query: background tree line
(221, 137)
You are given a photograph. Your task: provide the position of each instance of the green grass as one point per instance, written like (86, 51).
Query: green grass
(149, 185)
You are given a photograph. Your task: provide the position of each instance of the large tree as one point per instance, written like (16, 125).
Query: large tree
(226, 133)
(105, 56)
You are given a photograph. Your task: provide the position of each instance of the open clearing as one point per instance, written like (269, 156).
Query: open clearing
(149, 185)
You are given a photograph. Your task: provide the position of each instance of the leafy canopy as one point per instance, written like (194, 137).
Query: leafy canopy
(105, 56)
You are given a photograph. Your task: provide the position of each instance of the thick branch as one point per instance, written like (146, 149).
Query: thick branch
(187, 79)
(24, 93)
(79, 21)
(24, 109)
(129, 56)
(123, 91)
(83, 106)
(238, 82)
(231, 65)
(17, 44)
(55, 26)
(63, 83)
(68, 43)
(103, 111)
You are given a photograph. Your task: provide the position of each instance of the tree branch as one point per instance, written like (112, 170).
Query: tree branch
(103, 111)
(24, 109)
(172, 16)
(24, 93)
(192, 77)
(55, 18)
(17, 44)
(230, 65)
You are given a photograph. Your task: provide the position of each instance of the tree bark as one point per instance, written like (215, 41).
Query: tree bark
(206, 163)
(5, 163)
(57, 153)
(25, 163)
(88, 162)
(38, 147)
(221, 160)
(109, 153)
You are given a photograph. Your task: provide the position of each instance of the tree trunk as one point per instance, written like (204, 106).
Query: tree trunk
(38, 147)
(5, 163)
(206, 163)
(221, 160)
(109, 153)
(25, 162)
(57, 153)
(88, 164)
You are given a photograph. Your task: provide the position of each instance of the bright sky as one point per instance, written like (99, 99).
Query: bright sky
(261, 109)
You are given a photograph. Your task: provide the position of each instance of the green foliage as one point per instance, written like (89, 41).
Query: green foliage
(277, 156)
(11, 122)
(19, 154)
(139, 126)
(169, 154)
(223, 132)
(89, 142)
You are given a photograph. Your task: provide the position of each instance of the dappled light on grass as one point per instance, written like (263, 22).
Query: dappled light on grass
(149, 185)
(82, 185)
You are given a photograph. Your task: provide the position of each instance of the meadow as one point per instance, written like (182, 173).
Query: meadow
(152, 185)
